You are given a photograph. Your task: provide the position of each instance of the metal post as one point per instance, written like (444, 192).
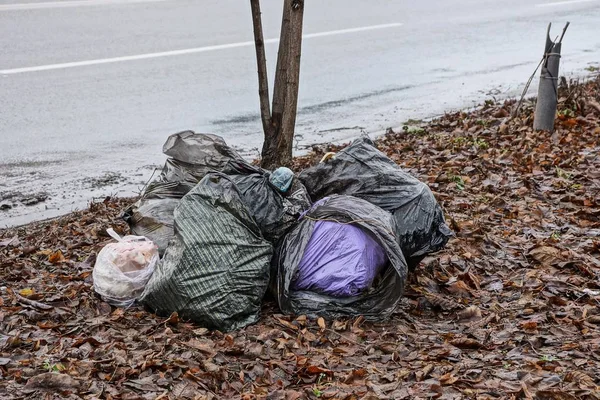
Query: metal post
(547, 101)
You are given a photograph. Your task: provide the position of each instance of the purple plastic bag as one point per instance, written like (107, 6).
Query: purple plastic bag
(340, 260)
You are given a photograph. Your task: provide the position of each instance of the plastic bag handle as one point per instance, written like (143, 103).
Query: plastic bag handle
(114, 234)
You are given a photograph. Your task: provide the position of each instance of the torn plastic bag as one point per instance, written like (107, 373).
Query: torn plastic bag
(153, 218)
(122, 269)
(274, 212)
(193, 155)
(340, 260)
(362, 171)
(376, 302)
(216, 269)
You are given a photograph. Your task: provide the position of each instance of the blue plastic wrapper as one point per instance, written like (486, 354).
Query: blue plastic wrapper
(282, 179)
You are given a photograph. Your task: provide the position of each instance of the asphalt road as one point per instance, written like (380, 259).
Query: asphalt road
(90, 89)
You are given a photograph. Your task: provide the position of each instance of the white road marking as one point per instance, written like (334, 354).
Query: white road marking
(186, 51)
(564, 3)
(73, 3)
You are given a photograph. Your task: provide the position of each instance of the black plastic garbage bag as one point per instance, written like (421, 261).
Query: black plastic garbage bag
(362, 171)
(274, 212)
(376, 303)
(216, 269)
(193, 155)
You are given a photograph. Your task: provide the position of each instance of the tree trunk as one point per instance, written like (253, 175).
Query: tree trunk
(288, 122)
(277, 148)
(547, 100)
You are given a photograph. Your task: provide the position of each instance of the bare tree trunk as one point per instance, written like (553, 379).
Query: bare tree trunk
(261, 60)
(277, 148)
(547, 100)
(288, 122)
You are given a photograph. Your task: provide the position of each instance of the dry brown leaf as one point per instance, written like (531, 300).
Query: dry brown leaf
(302, 319)
(208, 348)
(442, 302)
(340, 325)
(14, 241)
(529, 325)
(321, 323)
(466, 343)
(474, 280)
(546, 255)
(173, 319)
(56, 257)
(26, 292)
(554, 394)
(470, 313)
(315, 370)
(53, 382)
(355, 374)
(448, 379)
(580, 377)
(201, 331)
(357, 323)
(288, 324)
(426, 370)
(525, 390)
(117, 314)
(210, 367)
(460, 288)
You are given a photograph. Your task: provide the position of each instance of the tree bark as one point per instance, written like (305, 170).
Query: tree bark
(288, 122)
(261, 61)
(277, 148)
(547, 100)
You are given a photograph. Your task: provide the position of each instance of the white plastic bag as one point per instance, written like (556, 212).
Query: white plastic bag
(122, 269)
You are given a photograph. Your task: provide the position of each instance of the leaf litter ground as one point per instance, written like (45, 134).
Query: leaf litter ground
(510, 309)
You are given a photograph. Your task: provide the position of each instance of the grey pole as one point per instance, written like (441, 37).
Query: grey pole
(545, 109)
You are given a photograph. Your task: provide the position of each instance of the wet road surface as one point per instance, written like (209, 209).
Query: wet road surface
(90, 89)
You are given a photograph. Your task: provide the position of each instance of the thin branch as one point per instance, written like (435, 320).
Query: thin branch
(261, 61)
(563, 32)
(24, 300)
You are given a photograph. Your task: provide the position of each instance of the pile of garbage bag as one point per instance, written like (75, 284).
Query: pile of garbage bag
(362, 171)
(228, 230)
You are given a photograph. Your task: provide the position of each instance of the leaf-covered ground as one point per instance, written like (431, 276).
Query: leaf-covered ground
(509, 310)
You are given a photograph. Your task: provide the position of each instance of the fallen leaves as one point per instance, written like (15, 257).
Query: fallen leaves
(509, 310)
